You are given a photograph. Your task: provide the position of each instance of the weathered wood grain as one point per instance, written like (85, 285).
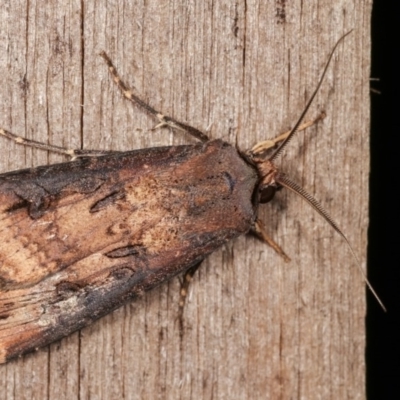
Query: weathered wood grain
(255, 327)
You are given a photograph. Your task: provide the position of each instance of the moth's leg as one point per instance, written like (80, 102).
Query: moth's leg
(187, 278)
(270, 143)
(163, 120)
(259, 230)
(73, 153)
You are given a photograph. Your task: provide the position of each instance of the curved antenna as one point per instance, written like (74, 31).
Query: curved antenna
(294, 187)
(279, 150)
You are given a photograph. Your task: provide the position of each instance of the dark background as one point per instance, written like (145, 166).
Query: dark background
(383, 331)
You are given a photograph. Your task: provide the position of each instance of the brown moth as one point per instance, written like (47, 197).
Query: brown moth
(79, 239)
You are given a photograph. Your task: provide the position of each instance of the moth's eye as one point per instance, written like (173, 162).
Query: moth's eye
(267, 193)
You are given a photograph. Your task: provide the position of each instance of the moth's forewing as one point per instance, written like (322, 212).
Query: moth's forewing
(79, 239)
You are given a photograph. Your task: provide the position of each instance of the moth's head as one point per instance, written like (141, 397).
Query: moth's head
(268, 183)
(271, 179)
(264, 154)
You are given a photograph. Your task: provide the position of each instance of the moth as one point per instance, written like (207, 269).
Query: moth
(146, 216)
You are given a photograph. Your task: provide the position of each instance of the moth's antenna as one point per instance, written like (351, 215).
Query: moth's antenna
(283, 180)
(279, 150)
(271, 174)
(294, 187)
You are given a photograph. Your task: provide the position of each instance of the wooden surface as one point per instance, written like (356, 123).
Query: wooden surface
(254, 326)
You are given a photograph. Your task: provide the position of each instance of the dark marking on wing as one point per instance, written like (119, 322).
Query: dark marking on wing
(124, 251)
(107, 201)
